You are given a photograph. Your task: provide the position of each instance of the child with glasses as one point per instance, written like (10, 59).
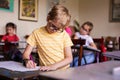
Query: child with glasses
(52, 42)
(84, 33)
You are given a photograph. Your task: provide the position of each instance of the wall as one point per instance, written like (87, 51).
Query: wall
(26, 27)
(97, 11)
(23, 27)
(73, 7)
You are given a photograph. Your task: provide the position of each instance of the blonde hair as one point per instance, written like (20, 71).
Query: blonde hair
(61, 14)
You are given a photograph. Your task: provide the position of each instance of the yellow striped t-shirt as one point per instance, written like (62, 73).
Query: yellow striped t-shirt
(50, 46)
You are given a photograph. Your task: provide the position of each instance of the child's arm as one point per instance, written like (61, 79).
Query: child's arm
(76, 35)
(93, 45)
(26, 57)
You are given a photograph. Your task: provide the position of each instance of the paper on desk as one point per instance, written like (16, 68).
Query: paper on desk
(116, 71)
(15, 66)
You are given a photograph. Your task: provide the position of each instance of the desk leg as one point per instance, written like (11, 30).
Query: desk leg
(80, 55)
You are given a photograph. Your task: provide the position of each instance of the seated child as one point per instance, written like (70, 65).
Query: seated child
(12, 53)
(84, 34)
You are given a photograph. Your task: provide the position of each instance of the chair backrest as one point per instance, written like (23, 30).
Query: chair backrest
(76, 42)
(99, 42)
(100, 45)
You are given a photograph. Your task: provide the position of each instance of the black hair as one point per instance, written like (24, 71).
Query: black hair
(12, 25)
(89, 24)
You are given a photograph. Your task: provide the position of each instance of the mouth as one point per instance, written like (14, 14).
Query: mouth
(49, 31)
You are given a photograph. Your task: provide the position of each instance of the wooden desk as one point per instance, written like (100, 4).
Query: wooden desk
(97, 71)
(113, 54)
(88, 48)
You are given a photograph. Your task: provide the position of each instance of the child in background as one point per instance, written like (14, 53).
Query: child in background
(10, 35)
(10, 39)
(85, 34)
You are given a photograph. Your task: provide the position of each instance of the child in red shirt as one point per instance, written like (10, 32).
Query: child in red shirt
(11, 41)
(10, 35)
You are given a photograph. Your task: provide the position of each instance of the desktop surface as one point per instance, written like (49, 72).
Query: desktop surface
(97, 71)
(112, 54)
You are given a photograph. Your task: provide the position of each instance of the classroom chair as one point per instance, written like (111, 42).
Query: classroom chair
(78, 50)
(100, 45)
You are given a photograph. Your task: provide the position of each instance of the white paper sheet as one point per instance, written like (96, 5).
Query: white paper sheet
(116, 71)
(16, 66)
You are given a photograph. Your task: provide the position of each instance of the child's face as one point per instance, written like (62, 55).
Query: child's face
(53, 27)
(10, 30)
(85, 30)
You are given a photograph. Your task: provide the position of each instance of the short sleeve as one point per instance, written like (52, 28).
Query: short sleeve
(77, 34)
(67, 40)
(90, 40)
(32, 40)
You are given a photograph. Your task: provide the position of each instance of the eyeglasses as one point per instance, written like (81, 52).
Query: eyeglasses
(54, 28)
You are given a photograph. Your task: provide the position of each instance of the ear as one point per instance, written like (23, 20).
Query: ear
(48, 18)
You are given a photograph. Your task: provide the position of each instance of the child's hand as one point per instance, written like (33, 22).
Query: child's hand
(31, 64)
(47, 68)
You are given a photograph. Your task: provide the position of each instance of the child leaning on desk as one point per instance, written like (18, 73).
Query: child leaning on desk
(10, 39)
(84, 33)
(52, 42)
